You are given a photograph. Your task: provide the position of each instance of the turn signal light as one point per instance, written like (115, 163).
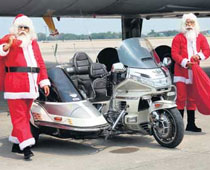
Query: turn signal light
(157, 105)
(70, 121)
(58, 119)
(36, 116)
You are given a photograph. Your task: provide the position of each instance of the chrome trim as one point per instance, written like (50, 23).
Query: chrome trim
(126, 98)
(73, 128)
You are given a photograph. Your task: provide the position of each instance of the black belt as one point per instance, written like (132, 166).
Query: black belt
(23, 69)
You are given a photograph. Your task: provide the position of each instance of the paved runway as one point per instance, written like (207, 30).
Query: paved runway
(124, 152)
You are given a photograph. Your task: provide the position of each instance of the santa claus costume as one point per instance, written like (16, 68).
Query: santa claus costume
(185, 45)
(25, 70)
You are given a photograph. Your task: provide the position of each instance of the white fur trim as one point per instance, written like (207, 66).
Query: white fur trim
(44, 82)
(31, 62)
(190, 75)
(202, 57)
(182, 79)
(13, 139)
(2, 52)
(21, 95)
(28, 142)
(184, 62)
(23, 20)
(190, 51)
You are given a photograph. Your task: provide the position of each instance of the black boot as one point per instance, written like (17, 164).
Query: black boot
(182, 113)
(16, 148)
(27, 153)
(191, 122)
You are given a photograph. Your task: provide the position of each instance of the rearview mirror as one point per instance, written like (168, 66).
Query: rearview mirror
(166, 61)
(118, 68)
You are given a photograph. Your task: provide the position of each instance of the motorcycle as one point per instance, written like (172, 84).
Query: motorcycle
(135, 96)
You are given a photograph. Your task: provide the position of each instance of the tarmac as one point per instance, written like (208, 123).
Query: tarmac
(123, 152)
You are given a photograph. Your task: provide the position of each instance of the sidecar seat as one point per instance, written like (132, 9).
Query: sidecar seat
(82, 62)
(98, 74)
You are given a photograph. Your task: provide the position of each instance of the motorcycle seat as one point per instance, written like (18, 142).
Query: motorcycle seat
(98, 74)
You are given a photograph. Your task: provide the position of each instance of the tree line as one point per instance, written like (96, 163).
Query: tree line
(69, 36)
(105, 35)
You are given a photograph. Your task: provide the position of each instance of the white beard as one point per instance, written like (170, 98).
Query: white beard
(25, 38)
(191, 35)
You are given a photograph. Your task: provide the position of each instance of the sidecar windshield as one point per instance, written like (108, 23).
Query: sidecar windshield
(138, 53)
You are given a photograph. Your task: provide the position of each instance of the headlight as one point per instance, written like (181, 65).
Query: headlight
(157, 83)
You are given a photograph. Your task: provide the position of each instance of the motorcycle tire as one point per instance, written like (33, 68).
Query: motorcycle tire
(172, 135)
(35, 133)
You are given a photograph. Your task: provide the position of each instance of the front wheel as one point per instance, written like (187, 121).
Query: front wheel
(168, 127)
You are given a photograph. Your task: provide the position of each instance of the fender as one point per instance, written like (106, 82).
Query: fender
(162, 104)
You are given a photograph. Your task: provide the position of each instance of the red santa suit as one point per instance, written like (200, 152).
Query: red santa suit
(182, 50)
(2, 73)
(21, 83)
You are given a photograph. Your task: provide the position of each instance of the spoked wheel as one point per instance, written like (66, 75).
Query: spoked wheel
(168, 127)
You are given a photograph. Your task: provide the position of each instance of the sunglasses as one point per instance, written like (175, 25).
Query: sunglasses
(21, 27)
(190, 22)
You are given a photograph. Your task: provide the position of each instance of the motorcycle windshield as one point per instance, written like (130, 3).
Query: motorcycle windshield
(138, 53)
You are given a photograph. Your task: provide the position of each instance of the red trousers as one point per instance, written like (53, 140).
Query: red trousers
(185, 96)
(20, 117)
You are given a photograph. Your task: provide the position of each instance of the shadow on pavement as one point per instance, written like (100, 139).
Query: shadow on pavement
(5, 150)
(52, 145)
(132, 143)
(195, 133)
(3, 104)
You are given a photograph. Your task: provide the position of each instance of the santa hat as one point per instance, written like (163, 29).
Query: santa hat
(192, 17)
(23, 20)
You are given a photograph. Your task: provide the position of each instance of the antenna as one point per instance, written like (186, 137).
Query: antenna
(55, 53)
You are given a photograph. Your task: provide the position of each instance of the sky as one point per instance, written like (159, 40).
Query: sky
(91, 25)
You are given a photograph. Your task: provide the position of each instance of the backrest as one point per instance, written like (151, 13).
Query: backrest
(97, 70)
(98, 74)
(81, 62)
(165, 51)
(108, 56)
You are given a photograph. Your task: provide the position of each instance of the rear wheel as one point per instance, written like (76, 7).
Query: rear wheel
(168, 128)
(35, 132)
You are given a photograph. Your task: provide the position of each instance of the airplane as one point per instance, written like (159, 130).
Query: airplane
(131, 12)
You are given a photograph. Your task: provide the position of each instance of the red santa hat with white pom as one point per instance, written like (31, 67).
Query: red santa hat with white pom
(23, 20)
